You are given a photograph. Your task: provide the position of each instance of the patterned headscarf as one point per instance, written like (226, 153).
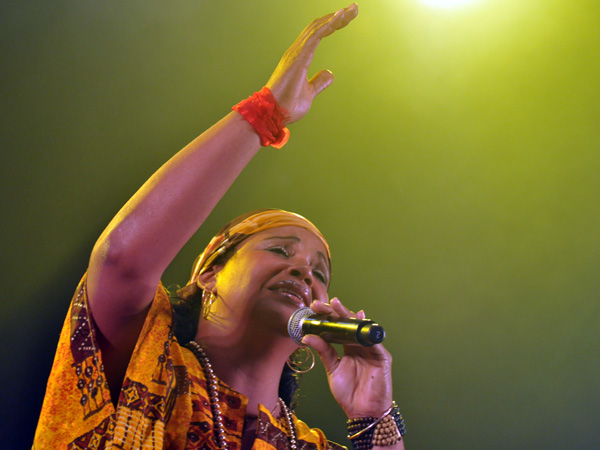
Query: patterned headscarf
(246, 225)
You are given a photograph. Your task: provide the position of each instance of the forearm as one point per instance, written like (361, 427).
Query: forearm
(397, 446)
(174, 202)
(165, 212)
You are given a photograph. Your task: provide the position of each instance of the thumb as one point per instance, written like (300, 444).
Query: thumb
(321, 81)
(326, 352)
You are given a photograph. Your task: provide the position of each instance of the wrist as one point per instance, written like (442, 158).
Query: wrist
(371, 409)
(266, 117)
(382, 431)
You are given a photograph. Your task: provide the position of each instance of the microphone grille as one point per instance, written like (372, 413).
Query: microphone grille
(295, 324)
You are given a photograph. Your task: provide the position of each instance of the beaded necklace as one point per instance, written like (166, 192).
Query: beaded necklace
(211, 384)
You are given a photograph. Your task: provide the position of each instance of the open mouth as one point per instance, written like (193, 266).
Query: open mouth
(293, 296)
(294, 291)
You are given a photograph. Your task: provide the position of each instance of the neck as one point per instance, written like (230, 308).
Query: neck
(248, 362)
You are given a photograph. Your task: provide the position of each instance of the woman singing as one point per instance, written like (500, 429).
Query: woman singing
(210, 366)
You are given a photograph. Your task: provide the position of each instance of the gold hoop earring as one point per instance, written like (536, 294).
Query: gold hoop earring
(208, 298)
(295, 366)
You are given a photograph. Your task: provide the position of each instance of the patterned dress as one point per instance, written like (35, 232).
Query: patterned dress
(163, 402)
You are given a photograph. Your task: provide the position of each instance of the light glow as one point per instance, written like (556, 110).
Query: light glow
(446, 3)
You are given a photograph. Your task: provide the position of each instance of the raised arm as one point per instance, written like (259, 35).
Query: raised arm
(139, 243)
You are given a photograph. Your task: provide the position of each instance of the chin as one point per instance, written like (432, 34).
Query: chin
(275, 321)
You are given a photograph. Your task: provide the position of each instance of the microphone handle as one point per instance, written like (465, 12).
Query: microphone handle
(343, 330)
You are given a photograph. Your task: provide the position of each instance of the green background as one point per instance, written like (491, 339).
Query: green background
(453, 166)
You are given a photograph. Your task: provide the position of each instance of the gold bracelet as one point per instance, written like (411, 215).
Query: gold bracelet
(371, 425)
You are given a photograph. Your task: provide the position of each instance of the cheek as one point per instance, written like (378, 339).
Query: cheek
(233, 278)
(320, 293)
(241, 276)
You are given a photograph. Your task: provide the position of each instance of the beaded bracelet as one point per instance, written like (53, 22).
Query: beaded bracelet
(365, 432)
(360, 432)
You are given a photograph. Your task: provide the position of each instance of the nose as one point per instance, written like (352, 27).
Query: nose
(302, 272)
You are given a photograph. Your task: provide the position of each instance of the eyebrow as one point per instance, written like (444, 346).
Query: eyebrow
(297, 239)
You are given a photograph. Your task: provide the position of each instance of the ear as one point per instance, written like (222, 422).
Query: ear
(208, 278)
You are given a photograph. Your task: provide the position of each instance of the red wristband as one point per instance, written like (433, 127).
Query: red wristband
(266, 117)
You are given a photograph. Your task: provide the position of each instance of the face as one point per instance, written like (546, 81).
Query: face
(271, 275)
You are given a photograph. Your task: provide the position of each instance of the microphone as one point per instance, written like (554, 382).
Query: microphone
(338, 330)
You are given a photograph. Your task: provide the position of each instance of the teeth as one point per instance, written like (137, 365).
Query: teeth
(293, 294)
(288, 289)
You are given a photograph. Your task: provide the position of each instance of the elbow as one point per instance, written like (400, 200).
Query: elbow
(111, 254)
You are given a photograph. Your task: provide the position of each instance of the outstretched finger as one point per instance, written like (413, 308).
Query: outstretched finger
(343, 17)
(326, 25)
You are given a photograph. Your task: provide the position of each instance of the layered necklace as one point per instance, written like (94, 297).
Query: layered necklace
(211, 384)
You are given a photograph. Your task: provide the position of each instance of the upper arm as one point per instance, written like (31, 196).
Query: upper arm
(119, 299)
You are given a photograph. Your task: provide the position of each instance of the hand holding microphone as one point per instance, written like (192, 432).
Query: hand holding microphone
(339, 330)
(360, 376)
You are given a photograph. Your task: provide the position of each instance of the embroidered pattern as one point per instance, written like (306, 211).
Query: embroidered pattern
(163, 402)
(96, 438)
(88, 368)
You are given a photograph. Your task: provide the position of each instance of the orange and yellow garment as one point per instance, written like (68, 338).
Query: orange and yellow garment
(163, 402)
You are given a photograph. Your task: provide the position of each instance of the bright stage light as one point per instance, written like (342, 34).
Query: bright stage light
(446, 3)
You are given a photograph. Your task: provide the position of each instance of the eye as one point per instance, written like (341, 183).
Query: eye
(320, 275)
(279, 250)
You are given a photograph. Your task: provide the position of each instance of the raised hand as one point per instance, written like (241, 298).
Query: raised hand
(289, 83)
(361, 379)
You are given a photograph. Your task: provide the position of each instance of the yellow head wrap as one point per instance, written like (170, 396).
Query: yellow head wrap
(245, 225)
